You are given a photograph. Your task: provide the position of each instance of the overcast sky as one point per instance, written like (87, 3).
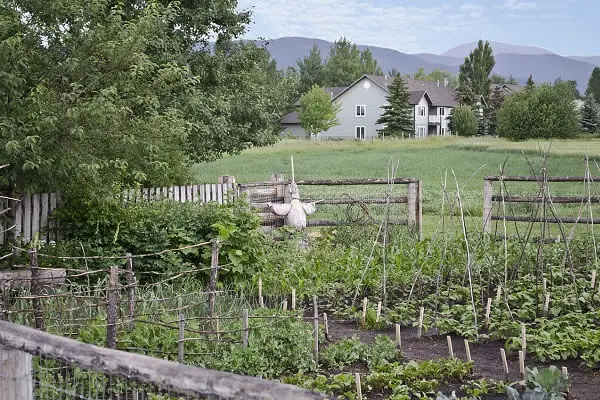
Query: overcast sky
(567, 27)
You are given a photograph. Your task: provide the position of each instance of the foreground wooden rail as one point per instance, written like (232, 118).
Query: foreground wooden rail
(18, 343)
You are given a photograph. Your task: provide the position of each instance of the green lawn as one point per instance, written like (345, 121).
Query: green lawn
(432, 161)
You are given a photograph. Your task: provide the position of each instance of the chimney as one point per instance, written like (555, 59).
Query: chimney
(438, 83)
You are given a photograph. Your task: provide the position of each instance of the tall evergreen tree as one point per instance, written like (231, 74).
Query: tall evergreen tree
(369, 64)
(344, 65)
(311, 70)
(475, 71)
(491, 111)
(530, 86)
(397, 116)
(594, 85)
(465, 95)
(590, 115)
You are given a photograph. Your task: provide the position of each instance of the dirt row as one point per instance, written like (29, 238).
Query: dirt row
(585, 384)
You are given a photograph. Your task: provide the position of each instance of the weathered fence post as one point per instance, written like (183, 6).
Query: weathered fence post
(228, 183)
(420, 210)
(245, 328)
(131, 284)
(488, 192)
(316, 328)
(412, 198)
(279, 188)
(36, 290)
(181, 341)
(16, 375)
(214, 276)
(111, 309)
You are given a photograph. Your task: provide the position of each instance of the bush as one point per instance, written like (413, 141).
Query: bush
(112, 228)
(464, 121)
(545, 112)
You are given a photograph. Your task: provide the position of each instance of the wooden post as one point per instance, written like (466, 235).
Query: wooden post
(450, 349)
(488, 310)
(544, 285)
(488, 192)
(522, 363)
(316, 328)
(214, 276)
(16, 375)
(358, 386)
(565, 373)
(547, 304)
(378, 312)
(420, 326)
(294, 299)
(398, 337)
(468, 351)
(419, 210)
(524, 339)
(111, 309)
(593, 282)
(131, 290)
(261, 302)
(36, 290)
(284, 306)
(499, 293)
(279, 188)
(181, 341)
(326, 325)
(245, 328)
(412, 191)
(504, 362)
(363, 318)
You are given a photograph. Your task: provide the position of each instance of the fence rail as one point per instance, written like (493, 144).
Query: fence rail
(19, 343)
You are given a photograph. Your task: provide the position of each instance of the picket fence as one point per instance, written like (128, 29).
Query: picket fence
(32, 213)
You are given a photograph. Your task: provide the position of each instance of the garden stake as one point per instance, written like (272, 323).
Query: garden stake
(363, 318)
(524, 339)
(261, 302)
(131, 290)
(468, 351)
(398, 337)
(358, 386)
(245, 328)
(546, 304)
(566, 375)
(181, 341)
(450, 350)
(522, 363)
(294, 299)
(593, 279)
(544, 285)
(326, 324)
(504, 362)
(499, 293)
(420, 328)
(316, 329)
(378, 312)
(218, 328)
(488, 310)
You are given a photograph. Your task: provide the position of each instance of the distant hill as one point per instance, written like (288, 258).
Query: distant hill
(463, 50)
(511, 60)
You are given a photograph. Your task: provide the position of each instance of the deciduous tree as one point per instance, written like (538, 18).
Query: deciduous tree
(317, 112)
(476, 69)
(311, 70)
(464, 121)
(594, 85)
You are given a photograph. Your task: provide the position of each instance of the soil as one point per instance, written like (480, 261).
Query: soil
(585, 384)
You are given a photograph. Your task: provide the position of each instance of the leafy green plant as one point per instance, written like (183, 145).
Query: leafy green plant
(344, 353)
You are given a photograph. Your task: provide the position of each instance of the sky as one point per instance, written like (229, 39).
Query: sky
(566, 27)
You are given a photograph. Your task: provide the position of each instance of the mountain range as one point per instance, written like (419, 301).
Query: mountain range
(511, 60)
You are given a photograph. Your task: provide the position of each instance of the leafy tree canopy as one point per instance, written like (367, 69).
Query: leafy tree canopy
(476, 69)
(594, 85)
(317, 112)
(100, 94)
(464, 121)
(311, 70)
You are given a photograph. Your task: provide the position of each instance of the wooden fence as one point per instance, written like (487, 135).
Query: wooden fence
(489, 198)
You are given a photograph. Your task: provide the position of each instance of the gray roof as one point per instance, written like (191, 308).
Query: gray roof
(290, 118)
(508, 89)
(415, 96)
(440, 95)
(333, 91)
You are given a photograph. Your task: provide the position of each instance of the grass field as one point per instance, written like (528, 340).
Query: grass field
(432, 161)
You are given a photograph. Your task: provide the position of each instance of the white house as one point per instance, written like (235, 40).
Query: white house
(361, 105)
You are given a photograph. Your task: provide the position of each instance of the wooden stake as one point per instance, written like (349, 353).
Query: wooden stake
(36, 290)
(565, 373)
(131, 283)
(284, 305)
(261, 302)
(112, 308)
(522, 363)
(544, 285)
(358, 386)
(499, 293)
(181, 341)
(488, 310)
(218, 327)
(293, 298)
(547, 304)
(450, 349)
(468, 351)
(16, 376)
(363, 318)
(245, 328)
(214, 276)
(326, 324)
(420, 327)
(378, 312)
(316, 328)
(524, 339)
(593, 283)
(398, 337)
(504, 362)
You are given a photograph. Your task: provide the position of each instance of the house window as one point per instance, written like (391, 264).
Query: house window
(442, 111)
(360, 132)
(421, 131)
(421, 111)
(361, 110)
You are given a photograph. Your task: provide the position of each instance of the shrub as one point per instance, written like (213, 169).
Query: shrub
(464, 121)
